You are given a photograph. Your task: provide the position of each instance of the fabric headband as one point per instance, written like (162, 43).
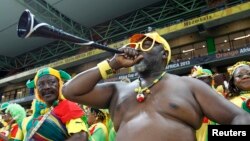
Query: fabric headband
(61, 75)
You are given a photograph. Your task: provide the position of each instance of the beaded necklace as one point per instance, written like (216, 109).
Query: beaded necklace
(140, 97)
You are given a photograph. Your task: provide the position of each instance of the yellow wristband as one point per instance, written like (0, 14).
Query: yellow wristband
(105, 69)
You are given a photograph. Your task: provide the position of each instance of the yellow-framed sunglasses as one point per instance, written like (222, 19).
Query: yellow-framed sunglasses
(143, 45)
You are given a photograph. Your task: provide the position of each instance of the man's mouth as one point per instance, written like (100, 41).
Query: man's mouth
(246, 79)
(46, 95)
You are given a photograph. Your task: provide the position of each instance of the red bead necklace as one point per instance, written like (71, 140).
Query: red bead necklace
(140, 96)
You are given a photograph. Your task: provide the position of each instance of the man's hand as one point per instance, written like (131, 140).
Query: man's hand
(127, 59)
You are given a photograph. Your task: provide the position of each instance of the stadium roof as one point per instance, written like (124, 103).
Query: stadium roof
(87, 13)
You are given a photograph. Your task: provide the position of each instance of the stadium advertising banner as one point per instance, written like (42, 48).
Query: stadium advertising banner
(206, 18)
(210, 58)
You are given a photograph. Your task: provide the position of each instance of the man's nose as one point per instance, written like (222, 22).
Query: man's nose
(46, 85)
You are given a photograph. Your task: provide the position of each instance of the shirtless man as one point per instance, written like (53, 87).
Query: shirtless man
(158, 106)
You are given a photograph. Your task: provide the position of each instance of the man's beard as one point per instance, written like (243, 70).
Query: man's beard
(140, 67)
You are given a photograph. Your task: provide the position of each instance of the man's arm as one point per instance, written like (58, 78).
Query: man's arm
(216, 107)
(83, 88)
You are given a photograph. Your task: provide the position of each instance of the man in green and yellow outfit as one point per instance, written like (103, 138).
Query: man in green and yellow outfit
(63, 119)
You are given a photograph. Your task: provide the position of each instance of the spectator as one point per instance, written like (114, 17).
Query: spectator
(158, 105)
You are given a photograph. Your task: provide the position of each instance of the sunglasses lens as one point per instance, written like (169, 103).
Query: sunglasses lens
(147, 44)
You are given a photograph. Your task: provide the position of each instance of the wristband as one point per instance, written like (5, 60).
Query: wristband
(105, 70)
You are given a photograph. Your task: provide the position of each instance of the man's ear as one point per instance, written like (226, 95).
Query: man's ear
(165, 55)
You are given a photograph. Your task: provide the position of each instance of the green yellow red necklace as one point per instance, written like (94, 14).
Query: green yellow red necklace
(140, 92)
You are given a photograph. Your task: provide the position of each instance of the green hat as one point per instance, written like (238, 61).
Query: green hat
(198, 72)
(4, 105)
(207, 72)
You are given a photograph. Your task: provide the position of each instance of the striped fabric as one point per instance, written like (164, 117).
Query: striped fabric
(51, 130)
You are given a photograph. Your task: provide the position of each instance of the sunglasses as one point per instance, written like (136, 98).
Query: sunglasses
(146, 44)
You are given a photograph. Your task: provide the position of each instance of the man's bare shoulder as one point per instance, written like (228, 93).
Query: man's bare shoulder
(117, 84)
(184, 79)
(181, 78)
(189, 79)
